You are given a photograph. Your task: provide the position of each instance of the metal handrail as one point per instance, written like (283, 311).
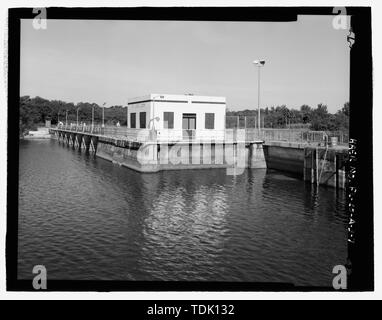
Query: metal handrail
(234, 134)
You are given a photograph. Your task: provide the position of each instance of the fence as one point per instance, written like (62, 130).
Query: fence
(111, 131)
(241, 122)
(343, 137)
(229, 134)
(296, 135)
(292, 135)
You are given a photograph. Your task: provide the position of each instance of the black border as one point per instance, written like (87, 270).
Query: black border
(360, 253)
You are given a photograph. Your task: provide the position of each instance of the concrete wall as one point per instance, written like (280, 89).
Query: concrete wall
(125, 156)
(179, 104)
(318, 165)
(41, 133)
(288, 157)
(137, 108)
(156, 157)
(200, 110)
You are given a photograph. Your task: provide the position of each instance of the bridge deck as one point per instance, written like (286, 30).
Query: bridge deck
(149, 136)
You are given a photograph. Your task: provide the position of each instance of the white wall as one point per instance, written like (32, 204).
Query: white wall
(137, 108)
(199, 109)
(157, 109)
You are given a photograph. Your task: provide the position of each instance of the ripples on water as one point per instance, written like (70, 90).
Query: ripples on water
(85, 218)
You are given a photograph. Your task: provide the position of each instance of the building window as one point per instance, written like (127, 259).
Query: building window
(168, 118)
(132, 120)
(142, 120)
(210, 121)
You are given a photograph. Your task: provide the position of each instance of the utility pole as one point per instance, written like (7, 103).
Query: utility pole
(259, 64)
(103, 115)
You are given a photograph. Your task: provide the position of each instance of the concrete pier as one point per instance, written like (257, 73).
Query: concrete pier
(285, 156)
(321, 165)
(41, 133)
(154, 156)
(325, 166)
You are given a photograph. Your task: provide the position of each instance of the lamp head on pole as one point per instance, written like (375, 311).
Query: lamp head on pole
(259, 63)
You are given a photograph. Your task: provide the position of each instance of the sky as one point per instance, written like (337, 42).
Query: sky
(307, 62)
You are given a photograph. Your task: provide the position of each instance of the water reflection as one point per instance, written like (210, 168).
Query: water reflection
(85, 218)
(188, 225)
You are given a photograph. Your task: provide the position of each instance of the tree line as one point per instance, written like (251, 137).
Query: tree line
(318, 119)
(34, 112)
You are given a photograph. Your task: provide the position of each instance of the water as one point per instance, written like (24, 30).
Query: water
(87, 219)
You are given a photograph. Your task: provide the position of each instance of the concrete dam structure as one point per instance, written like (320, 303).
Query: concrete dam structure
(153, 156)
(320, 165)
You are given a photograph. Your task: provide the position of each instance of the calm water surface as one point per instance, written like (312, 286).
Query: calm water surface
(86, 218)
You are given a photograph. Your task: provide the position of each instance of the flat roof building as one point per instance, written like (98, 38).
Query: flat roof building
(177, 117)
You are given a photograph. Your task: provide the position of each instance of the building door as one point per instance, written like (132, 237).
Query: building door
(189, 125)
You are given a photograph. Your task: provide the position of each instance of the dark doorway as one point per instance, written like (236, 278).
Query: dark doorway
(189, 125)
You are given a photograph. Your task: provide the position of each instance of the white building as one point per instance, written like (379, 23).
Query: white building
(179, 117)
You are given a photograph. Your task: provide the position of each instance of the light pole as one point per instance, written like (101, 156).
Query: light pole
(156, 119)
(127, 116)
(77, 116)
(66, 119)
(153, 134)
(103, 115)
(153, 115)
(259, 64)
(92, 118)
